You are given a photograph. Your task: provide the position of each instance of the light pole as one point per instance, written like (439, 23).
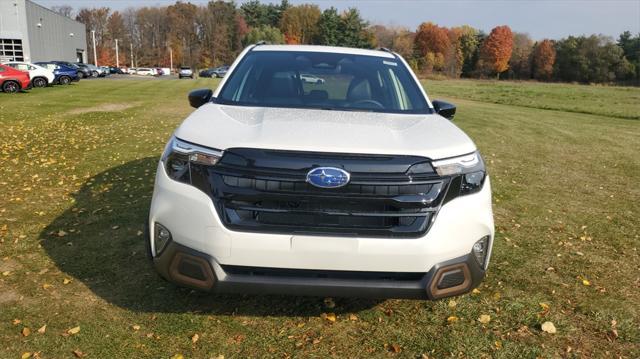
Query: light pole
(117, 57)
(131, 52)
(170, 60)
(95, 57)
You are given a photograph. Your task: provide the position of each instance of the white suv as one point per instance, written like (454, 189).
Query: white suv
(40, 76)
(185, 71)
(357, 185)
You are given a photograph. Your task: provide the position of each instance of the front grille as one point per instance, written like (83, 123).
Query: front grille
(266, 191)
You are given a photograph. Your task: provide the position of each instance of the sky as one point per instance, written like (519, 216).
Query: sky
(553, 19)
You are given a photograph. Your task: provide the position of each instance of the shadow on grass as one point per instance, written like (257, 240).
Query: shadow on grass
(99, 242)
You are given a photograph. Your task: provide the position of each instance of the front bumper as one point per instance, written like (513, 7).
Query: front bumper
(185, 266)
(199, 235)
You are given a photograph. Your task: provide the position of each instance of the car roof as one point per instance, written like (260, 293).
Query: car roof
(328, 49)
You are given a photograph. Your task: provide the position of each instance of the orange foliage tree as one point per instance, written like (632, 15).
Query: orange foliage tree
(496, 49)
(432, 43)
(544, 57)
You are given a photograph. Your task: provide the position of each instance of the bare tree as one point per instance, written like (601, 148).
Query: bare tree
(64, 10)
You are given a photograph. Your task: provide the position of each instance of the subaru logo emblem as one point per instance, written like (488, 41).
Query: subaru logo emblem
(328, 177)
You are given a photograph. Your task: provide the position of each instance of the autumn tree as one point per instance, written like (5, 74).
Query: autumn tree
(298, 23)
(272, 35)
(183, 37)
(496, 50)
(544, 57)
(95, 19)
(521, 56)
(432, 43)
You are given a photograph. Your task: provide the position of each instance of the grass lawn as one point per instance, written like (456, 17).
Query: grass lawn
(77, 165)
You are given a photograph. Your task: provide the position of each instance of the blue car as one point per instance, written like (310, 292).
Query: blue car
(64, 75)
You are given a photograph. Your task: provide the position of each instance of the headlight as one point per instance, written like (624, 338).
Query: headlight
(179, 156)
(469, 170)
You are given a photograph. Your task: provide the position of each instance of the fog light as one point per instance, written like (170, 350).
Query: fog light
(161, 237)
(481, 250)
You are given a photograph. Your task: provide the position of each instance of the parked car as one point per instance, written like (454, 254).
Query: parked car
(220, 71)
(146, 71)
(40, 76)
(12, 80)
(311, 79)
(206, 72)
(117, 70)
(106, 70)
(83, 72)
(185, 71)
(64, 75)
(93, 69)
(362, 188)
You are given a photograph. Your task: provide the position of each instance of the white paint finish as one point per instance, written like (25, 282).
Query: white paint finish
(223, 127)
(330, 49)
(36, 71)
(187, 211)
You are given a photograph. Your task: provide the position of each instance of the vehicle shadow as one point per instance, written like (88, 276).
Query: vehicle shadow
(99, 241)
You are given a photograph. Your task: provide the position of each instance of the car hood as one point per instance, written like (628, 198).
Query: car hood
(223, 127)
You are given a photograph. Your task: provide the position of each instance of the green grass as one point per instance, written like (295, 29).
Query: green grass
(608, 101)
(76, 175)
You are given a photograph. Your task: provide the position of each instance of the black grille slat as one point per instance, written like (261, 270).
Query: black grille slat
(266, 191)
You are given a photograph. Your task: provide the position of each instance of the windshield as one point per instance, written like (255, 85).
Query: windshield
(325, 81)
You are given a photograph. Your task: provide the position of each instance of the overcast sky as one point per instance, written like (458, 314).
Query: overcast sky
(541, 19)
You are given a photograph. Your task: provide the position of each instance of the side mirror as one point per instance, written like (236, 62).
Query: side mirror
(199, 97)
(444, 109)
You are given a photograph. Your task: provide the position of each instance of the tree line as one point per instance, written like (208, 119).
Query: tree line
(213, 34)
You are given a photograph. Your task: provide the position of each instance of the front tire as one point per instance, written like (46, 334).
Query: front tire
(81, 74)
(39, 82)
(65, 80)
(10, 87)
(94, 74)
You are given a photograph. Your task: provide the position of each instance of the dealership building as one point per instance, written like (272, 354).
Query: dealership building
(30, 32)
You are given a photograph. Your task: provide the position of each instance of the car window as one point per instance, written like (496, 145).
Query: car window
(324, 80)
(22, 67)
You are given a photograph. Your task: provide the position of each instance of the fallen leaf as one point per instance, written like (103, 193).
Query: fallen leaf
(6, 273)
(74, 330)
(548, 327)
(78, 353)
(178, 356)
(353, 317)
(66, 281)
(42, 329)
(25, 332)
(395, 348)
(586, 282)
(195, 338)
(61, 233)
(484, 319)
(330, 317)
(25, 355)
(475, 291)
(452, 304)
(452, 319)
(135, 327)
(329, 303)
(498, 344)
(47, 286)
(16, 321)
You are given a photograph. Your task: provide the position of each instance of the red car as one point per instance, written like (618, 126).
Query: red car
(12, 80)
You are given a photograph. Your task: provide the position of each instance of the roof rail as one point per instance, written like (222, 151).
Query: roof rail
(387, 50)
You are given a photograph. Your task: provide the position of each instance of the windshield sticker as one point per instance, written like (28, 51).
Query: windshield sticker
(390, 63)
